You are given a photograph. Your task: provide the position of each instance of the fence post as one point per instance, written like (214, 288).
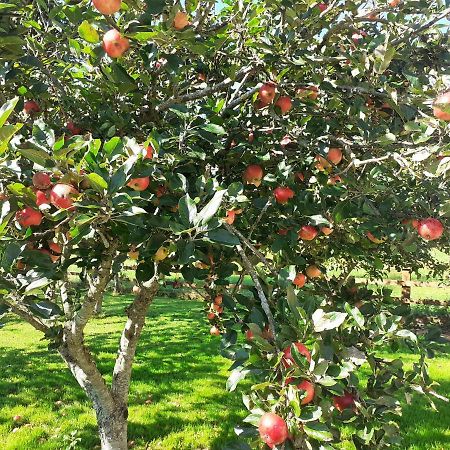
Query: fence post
(406, 286)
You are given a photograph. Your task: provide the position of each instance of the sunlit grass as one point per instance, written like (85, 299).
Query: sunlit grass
(177, 398)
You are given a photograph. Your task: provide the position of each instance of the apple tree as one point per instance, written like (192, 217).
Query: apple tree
(262, 149)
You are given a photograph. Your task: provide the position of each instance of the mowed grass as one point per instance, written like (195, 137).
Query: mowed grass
(177, 398)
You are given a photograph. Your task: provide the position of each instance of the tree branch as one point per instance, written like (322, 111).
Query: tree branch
(248, 244)
(264, 303)
(22, 311)
(202, 93)
(129, 340)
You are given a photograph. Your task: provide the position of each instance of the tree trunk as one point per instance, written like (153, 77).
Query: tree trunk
(112, 429)
(117, 289)
(98, 306)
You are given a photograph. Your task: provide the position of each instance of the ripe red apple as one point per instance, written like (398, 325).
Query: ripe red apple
(307, 232)
(42, 198)
(214, 331)
(430, 229)
(334, 179)
(31, 106)
(55, 247)
(415, 223)
(249, 335)
(139, 184)
(210, 315)
(283, 231)
(394, 3)
(218, 300)
(299, 177)
(267, 333)
(62, 195)
(217, 308)
(373, 238)
(180, 21)
(231, 216)
(73, 129)
(114, 44)
(28, 217)
(287, 360)
(272, 429)
(306, 386)
(149, 152)
(313, 271)
(322, 163)
(41, 180)
(326, 230)
(107, 6)
(266, 93)
(299, 280)
(334, 155)
(443, 99)
(346, 401)
(309, 92)
(284, 103)
(322, 7)
(283, 194)
(253, 174)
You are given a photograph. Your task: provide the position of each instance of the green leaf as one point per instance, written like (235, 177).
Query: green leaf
(88, 32)
(383, 56)
(6, 134)
(45, 309)
(155, 6)
(210, 209)
(38, 156)
(97, 182)
(235, 377)
(7, 109)
(327, 321)
(318, 431)
(187, 209)
(222, 236)
(213, 128)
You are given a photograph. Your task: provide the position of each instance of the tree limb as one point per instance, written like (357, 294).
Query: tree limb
(129, 340)
(264, 303)
(202, 93)
(22, 311)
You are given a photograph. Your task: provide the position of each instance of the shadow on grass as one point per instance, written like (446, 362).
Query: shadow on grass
(176, 357)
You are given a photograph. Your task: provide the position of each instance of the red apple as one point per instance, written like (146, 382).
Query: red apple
(62, 195)
(149, 152)
(373, 238)
(253, 174)
(283, 231)
(180, 21)
(299, 280)
(284, 103)
(322, 163)
(287, 359)
(107, 6)
(210, 315)
(430, 229)
(54, 258)
(31, 106)
(42, 198)
(443, 99)
(231, 216)
(326, 230)
(214, 331)
(17, 418)
(28, 217)
(394, 3)
(217, 308)
(139, 184)
(415, 223)
(114, 44)
(73, 129)
(346, 401)
(313, 271)
(309, 92)
(272, 429)
(334, 155)
(249, 335)
(307, 232)
(322, 7)
(283, 194)
(218, 300)
(299, 177)
(306, 386)
(334, 179)
(41, 180)
(55, 247)
(266, 93)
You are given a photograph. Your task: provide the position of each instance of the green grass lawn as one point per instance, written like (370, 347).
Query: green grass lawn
(177, 399)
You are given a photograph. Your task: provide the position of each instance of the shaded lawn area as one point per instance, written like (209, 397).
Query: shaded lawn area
(177, 399)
